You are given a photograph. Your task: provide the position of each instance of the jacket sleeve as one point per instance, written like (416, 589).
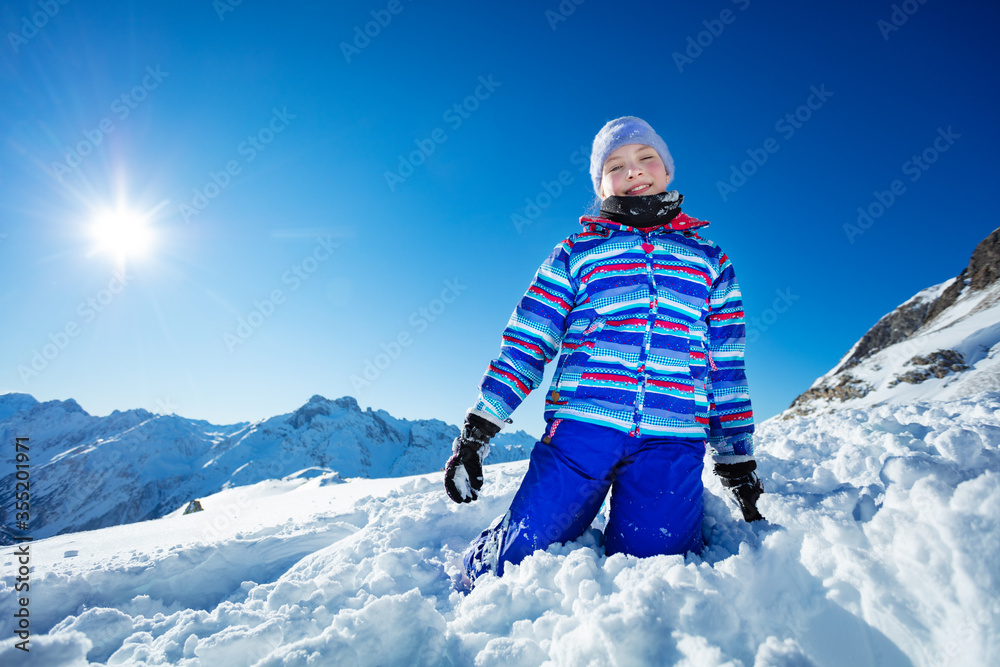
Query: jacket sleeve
(730, 419)
(532, 338)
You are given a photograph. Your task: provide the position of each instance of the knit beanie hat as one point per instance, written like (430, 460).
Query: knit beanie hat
(621, 132)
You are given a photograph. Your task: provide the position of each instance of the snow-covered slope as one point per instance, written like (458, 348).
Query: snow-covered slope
(90, 472)
(883, 548)
(942, 343)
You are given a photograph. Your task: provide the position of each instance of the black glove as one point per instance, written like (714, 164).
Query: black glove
(741, 479)
(463, 474)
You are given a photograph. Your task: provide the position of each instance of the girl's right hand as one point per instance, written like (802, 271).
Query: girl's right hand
(463, 474)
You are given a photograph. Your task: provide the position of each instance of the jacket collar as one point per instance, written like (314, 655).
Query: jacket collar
(681, 222)
(646, 214)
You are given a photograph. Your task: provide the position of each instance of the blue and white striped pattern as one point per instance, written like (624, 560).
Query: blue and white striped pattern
(651, 329)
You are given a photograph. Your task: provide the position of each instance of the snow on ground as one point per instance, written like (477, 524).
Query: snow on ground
(883, 548)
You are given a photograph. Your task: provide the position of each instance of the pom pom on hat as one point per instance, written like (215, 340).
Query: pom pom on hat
(622, 132)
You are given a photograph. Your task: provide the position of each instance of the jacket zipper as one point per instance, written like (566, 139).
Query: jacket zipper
(647, 337)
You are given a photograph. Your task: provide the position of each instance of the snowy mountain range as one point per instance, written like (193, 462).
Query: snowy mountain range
(90, 472)
(942, 343)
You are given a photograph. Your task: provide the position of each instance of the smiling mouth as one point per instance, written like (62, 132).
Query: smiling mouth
(639, 189)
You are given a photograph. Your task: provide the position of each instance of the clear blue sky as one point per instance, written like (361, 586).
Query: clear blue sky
(300, 132)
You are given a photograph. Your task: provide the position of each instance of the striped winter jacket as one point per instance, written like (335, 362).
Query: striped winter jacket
(650, 324)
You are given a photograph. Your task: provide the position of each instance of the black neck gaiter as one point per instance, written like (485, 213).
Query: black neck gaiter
(643, 211)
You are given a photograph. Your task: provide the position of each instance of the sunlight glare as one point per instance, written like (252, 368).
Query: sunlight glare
(122, 233)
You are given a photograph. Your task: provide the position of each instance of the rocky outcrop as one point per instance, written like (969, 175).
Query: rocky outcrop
(982, 271)
(194, 506)
(894, 328)
(847, 387)
(901, 325)
(937, 364)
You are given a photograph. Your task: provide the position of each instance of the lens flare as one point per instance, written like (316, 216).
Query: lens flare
(122, 233)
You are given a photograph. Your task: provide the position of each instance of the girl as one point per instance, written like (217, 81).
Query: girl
(649, 318)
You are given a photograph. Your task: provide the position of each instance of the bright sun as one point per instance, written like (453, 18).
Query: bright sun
(122, 233)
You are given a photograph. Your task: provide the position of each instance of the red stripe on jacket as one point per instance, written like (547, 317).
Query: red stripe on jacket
(520, 385)
(549, 297)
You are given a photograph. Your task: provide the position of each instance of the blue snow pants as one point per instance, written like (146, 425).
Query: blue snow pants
(656, 496)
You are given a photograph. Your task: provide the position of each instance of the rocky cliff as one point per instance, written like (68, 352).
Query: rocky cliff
(946, 333)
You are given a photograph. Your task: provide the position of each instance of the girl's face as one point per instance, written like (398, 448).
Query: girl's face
(634, 169)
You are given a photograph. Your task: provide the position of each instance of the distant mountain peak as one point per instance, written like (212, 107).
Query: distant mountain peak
(69, 405)
(348, 403)
(941, 333)
(318, 406)
(139, 414)
(12, 403)
(16, 397)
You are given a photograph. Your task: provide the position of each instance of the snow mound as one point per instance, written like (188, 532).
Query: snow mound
(881, 549)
